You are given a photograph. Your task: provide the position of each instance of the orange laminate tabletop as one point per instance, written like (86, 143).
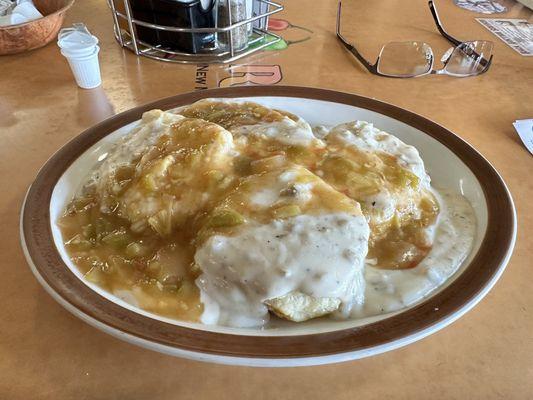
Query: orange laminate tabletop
(46, 353)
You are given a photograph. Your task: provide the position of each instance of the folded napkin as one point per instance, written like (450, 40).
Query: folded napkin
(6, 7)
(12, 19)
(524, 128)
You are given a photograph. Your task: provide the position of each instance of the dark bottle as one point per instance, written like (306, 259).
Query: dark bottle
(179, 14)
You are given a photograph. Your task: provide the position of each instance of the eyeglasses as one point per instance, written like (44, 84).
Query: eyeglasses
(411, 59)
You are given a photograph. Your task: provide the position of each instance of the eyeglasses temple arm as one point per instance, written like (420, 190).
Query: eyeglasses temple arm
(484, 62)
(349, 46)
(436, 18)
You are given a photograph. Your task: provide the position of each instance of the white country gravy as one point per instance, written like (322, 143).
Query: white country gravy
(391, 290)
(322, 256)
(199, 230)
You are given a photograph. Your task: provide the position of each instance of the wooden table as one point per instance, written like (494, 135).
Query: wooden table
(46, 353)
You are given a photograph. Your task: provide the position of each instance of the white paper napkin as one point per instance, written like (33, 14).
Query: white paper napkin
(12, 19)
(24, 11)
(28, 9)
(524, 127)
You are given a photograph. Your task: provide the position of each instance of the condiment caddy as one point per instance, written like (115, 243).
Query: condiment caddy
(193, 31)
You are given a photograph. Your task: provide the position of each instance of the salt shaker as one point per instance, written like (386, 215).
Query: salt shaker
(229, 13)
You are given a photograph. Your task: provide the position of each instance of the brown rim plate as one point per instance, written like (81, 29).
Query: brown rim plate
(413, 323)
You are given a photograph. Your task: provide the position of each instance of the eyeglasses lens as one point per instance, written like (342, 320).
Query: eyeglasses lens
(405, 59)
(469, 58)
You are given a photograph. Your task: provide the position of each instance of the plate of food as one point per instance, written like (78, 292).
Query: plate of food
(268, 226)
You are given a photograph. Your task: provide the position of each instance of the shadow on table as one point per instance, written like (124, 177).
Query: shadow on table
(93, 106)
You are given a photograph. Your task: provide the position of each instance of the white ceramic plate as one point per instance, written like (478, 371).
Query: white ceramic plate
(451, 162)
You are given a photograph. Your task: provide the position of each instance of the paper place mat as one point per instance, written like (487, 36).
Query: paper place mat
(481, 6)
(524, 127)
(517, 33)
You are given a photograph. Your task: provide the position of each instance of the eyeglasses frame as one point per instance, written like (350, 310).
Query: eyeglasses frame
(373, 68)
